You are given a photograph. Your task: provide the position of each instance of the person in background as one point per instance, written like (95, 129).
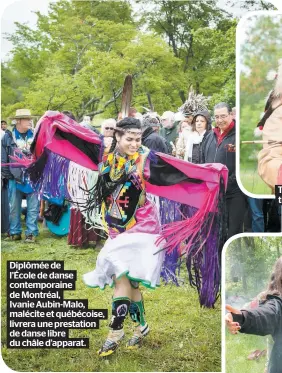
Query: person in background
(4, 125)
(107, 127)
(201, 127)
(156, 123)
(189, 118)
(257, 216)
(150, 138)
(5, 209)
(86, 122)
(170, 129)
(20, 139)
(132, 112)
(107, 130)
(219, 147)
(184, 135)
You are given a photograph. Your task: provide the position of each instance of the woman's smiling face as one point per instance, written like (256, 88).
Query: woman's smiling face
(130, 141)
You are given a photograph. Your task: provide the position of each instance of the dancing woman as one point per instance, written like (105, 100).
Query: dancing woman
(133, 253)
(129, 256)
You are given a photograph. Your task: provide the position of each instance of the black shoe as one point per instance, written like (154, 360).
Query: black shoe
(30, 239)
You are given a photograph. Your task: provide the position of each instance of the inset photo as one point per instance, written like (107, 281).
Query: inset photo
(260, 69)
(253, 305)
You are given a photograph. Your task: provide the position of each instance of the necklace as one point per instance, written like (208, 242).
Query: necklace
(117, 165)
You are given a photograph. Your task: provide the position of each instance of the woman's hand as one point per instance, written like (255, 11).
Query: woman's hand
(232, 326)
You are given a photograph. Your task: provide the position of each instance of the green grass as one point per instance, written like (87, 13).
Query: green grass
(253, 183)
(184, 337)
(237, 349)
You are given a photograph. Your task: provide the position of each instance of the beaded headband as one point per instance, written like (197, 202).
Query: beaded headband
(128, 130)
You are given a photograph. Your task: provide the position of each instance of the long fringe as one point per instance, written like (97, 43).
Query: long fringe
(36, 169)
(204, 267)
(80, 181)
(21, 159)
(169, 212)
(50, 174)
(201, 237)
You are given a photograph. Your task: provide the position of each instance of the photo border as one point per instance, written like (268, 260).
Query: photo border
(239, 34)
(223, 278)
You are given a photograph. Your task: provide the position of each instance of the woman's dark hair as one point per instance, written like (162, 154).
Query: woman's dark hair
(105, 186)
(122, 125)
(194, 121)
(207, 117)
(275, 284)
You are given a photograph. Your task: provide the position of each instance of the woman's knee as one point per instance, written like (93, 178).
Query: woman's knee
(122, 282)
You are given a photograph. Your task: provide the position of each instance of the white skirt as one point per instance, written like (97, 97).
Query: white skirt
(132, 254)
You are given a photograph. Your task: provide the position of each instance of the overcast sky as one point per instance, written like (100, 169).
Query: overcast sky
(21, 11)
(18, 11)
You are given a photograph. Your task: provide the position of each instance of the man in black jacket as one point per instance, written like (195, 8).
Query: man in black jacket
(150, 138)
(219, 147)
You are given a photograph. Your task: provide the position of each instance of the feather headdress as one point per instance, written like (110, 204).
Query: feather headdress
(194, 103)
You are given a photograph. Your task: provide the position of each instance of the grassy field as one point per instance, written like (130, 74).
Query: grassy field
(253, 183)
(184, 337)
(238, 348)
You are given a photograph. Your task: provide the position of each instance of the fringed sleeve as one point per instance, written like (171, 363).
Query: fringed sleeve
(201, 230)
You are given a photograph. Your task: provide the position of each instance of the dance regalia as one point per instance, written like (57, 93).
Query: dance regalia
(133, 226)
(67, 160)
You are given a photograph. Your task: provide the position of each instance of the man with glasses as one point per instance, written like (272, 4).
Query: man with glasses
(219, 147)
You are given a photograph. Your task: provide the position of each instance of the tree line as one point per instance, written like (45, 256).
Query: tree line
(78, 54)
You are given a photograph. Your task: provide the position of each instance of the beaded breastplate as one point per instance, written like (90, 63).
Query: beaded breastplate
(120, 207)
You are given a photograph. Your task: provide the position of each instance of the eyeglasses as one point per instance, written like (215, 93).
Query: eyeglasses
(217, 117)
(109, 128)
